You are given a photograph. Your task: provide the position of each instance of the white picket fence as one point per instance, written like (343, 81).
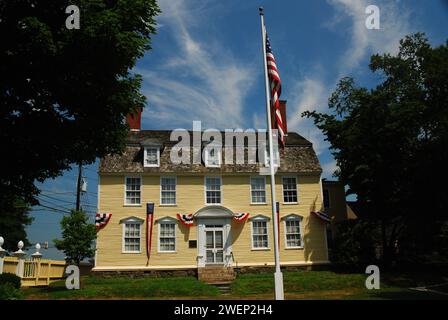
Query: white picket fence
(33, 271)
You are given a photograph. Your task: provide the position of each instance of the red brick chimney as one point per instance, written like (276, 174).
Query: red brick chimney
(283, 111)
(134, 120)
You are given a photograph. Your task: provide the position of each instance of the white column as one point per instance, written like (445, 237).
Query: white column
(21, 257)
(2, 254)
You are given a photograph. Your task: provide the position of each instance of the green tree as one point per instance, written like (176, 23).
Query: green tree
(13, 221)
(391, 143)
(64, 93)
(77, 237)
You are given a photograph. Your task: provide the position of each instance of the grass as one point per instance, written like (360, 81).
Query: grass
(125, 288)
(298, 285)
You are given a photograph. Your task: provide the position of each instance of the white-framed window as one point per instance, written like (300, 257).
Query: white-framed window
(293, 232)
(258, 189)
(151, 157)
(132, 231)
(267, 159)
(212, 157)
(168, 190)
(213, 190)
(289, 189)
(260, 238)
(133, 191)
(167, 235)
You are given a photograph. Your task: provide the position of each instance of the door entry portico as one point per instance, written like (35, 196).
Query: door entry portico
(214, 236)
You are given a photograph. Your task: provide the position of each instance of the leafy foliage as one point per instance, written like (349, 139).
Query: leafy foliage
(354, 245)
(78, 235)
(64, 93)
(14, 218)
(9, 278)
(391, 142)
(9, 292)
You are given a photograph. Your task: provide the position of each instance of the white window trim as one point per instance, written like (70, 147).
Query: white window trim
(175, 190)
(123, 232)
(297, 190)
(276, 158)
(255, 219)
(145, 157)
(293, 217)
(206, 155)
(265, 191)
(167, 220)
(141, 191)
(205, 191)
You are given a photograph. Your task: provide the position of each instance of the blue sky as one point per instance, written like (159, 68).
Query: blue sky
(206, 64)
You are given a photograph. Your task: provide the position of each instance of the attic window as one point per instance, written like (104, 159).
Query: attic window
(151, 157)
(267, 159)
(212, 157)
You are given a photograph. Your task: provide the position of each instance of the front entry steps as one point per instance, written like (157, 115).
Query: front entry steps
(217, 275)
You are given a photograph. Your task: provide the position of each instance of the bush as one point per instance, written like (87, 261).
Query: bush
(10, 278)
(354, 245)
(9, 292)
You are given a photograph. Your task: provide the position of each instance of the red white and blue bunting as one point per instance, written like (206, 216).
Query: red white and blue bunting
(101, 220)
(241, 217)
(322, 215)
(186, 219)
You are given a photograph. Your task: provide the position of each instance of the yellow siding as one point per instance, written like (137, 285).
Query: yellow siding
(190, 198)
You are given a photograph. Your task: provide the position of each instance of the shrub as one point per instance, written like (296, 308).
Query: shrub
(9, 292)
(354, 245)
(10, 278)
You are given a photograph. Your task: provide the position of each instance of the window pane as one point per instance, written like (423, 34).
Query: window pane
(167, 237)
(260, 234)
(258, 190)
(152, 156)
(133, 191)
(132, 237)
(213, 190)
(168, 187)
(289, 189)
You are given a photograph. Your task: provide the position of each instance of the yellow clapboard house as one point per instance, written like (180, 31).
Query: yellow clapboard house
(211, 195)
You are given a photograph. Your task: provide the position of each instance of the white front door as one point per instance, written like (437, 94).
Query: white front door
(214, 242)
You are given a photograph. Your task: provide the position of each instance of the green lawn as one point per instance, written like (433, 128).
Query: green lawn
(298, 285)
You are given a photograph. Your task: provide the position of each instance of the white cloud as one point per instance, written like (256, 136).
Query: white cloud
(309, 94)
(395, 25)
(312, 92)
(201, 80)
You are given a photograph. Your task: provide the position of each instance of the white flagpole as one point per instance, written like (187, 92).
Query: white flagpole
(278, 276)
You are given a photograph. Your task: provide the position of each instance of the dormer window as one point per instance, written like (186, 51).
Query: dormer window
(276, 157)
(151, 157)
(212, 157)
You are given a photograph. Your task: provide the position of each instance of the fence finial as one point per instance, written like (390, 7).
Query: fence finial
(2, 241)
(20, 246)
(37, 254)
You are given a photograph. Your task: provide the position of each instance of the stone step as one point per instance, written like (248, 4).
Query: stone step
(216, 275)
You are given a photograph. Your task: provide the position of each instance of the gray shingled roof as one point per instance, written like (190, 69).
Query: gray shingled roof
(298, 156)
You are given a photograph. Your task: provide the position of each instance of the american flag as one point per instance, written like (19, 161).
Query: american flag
(276, 90)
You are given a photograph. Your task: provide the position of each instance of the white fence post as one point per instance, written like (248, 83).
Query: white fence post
(2, 254)
(36, 256)
(21, 257)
